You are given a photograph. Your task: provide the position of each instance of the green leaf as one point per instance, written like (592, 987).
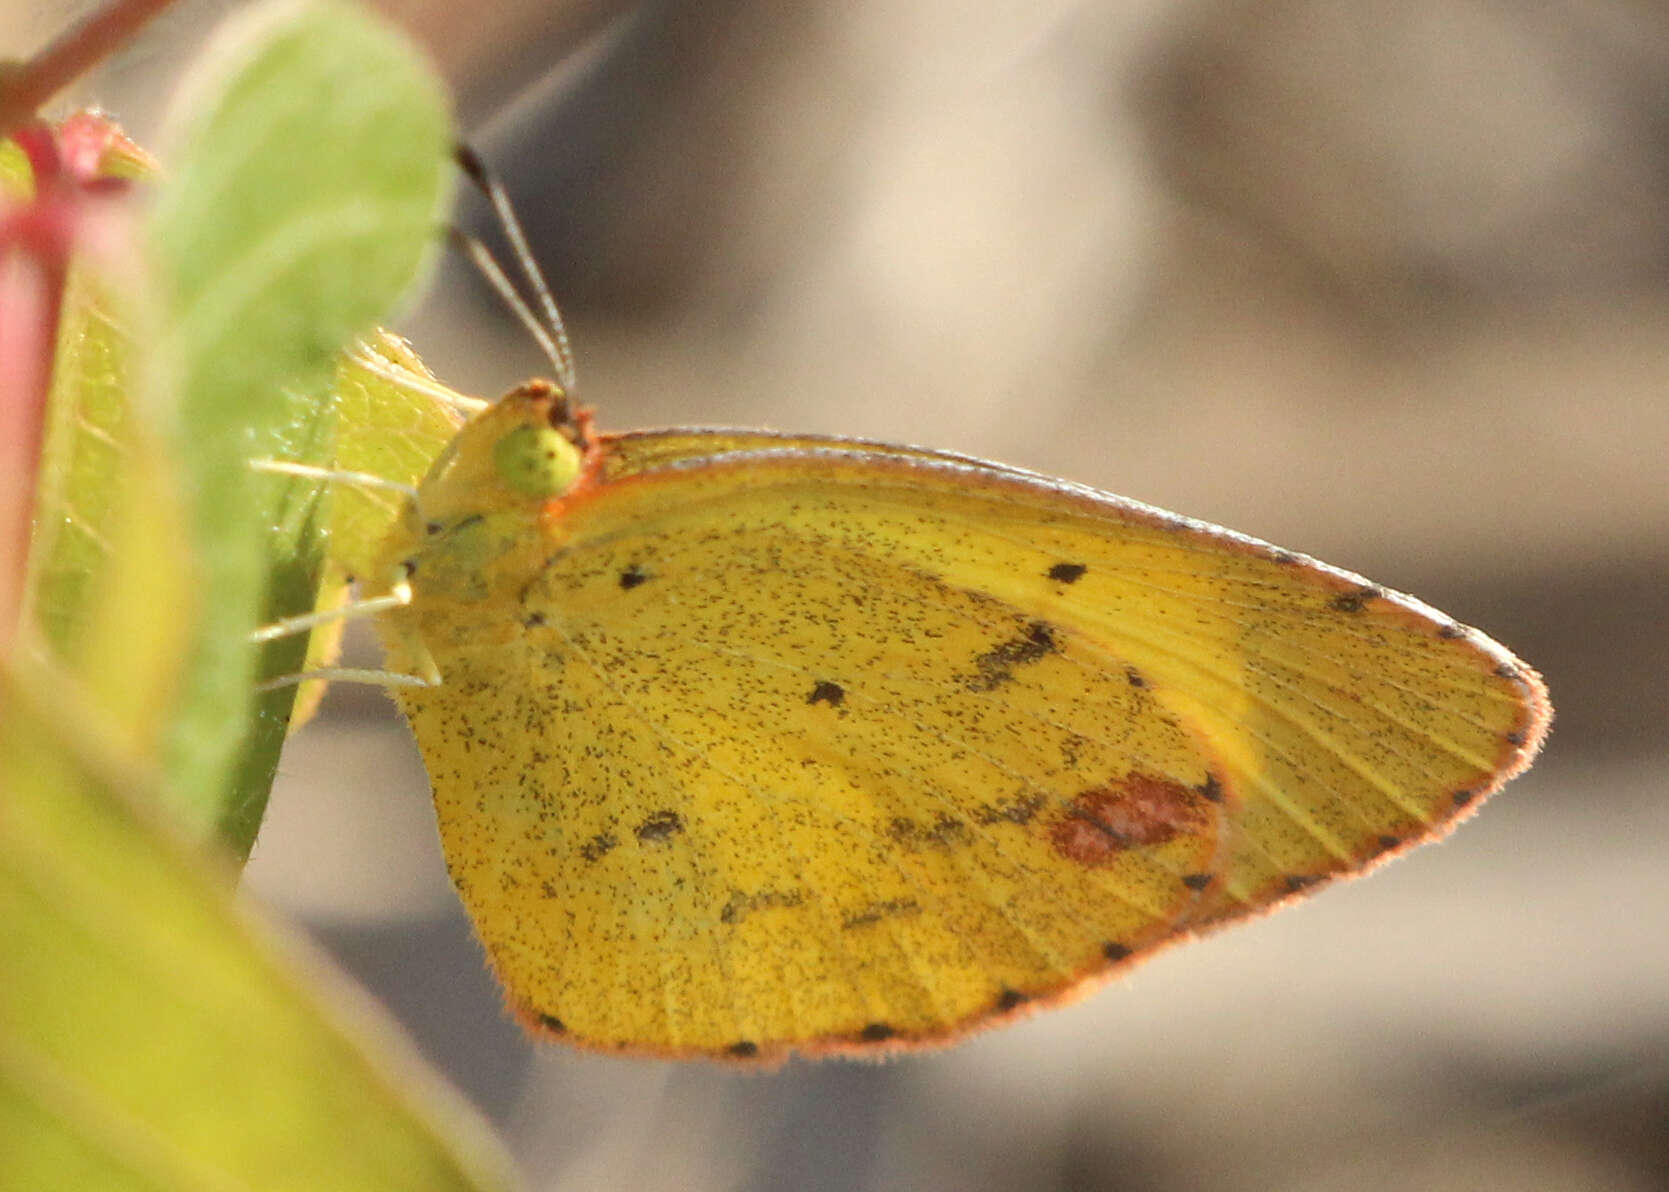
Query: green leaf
(392, 419)
(152, 1036)
(103, 481)
(392, 423)
(88, 447)
(306, 173)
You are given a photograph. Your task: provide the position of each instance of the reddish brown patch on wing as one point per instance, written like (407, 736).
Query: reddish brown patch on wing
(1128, 812)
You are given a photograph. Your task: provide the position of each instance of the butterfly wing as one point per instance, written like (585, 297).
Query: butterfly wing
(800, 743)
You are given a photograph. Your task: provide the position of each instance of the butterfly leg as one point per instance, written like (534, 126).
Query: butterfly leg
(398, 596)
(284, 467)
(345, 674)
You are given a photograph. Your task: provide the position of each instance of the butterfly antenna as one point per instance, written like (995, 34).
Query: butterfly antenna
(552, 334)
(555, 351)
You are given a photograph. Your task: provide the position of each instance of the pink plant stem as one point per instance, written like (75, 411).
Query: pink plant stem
(35, 242)
(28, 324)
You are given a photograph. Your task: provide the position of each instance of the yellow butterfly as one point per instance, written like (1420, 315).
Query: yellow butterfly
(745, 743)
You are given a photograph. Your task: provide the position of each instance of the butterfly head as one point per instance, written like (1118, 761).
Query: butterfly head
(529, 447)
(539, 456)
(470, 522)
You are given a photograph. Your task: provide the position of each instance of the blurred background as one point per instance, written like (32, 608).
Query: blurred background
(1384, 282)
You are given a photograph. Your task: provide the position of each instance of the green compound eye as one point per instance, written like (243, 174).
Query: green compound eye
(536, 461)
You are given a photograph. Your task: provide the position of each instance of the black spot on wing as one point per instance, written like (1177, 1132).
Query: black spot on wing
(1463, 797)
(1389, 842)
(827, 693)
(533, 620)
(598, 846)
(552, 1023)
(945, 832)
(1298, 881)
(1196, 881)
(746, 1049)
(876, 1032)
(1211, 789)
(1451, 631)
(1067, 573)
(739, 905)
(1008, 999)
(1136, 678)
(632, 577)
(659, 827)
(892, 908)
(1354, 602)
(1113, 951)
(1021, 809)
(996, 666)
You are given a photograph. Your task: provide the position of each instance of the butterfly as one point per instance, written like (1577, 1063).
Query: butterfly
(746, 743)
